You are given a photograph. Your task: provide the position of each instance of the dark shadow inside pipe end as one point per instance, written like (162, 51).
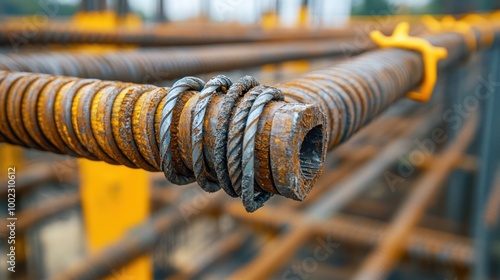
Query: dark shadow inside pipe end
(311, 153)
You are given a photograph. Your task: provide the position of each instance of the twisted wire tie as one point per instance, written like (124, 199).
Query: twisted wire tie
(219, 83)
(177, 90)
(237, 123)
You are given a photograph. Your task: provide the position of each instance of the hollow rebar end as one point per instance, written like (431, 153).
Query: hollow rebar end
(298, 146)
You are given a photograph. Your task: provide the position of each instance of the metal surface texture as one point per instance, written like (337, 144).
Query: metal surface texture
(273, 147)
(156, 64)
(294, 225)
(171, 35)
(380, 262)
(120, 123)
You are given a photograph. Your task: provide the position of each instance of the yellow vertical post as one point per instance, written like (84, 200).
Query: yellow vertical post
(270, 21)
(104, 21)
(10, 155)
(114, 199)
(303, 16)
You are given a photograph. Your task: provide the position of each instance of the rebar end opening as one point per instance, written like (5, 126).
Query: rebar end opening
(311, 152)
(298, 149)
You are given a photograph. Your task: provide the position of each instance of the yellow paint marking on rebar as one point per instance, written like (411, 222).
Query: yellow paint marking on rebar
(114, 200)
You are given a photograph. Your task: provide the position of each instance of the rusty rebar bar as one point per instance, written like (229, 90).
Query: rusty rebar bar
(324, 208)
(158, 64)
(138, 241)
(18, 35)
(380, 262)
(422, 242)
(221, 134)
(125, 250)
(126, 124)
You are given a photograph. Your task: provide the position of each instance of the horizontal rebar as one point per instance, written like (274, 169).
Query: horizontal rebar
(422, 242)
(157, 64)
(126, 251)
(18, 35)
(325, 207)
(241, 137)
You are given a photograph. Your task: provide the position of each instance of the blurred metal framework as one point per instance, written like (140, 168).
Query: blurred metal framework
(350, 94)
(146, 127)
(295, 223)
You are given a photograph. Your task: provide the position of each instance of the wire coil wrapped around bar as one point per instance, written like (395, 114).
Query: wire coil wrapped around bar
(137, 125)
(236, 138)
(147, 127)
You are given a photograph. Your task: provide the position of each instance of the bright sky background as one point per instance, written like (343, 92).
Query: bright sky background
(244, 11)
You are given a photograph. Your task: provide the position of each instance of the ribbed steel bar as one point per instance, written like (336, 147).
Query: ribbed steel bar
(18, 35)
(126, 124)
(155, 65)
(264, 265)
(380, 262)
(125, 250)
(221, 134)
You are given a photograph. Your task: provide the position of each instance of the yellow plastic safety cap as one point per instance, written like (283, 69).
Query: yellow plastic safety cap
(430, 54)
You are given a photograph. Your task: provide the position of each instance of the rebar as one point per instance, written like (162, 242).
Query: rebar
(34, 215)
(155, 65)
(136, 243)
(379, 263)
(18, 35)
(422, 243)
(184, 131)
(324, 208)
(276, 217)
